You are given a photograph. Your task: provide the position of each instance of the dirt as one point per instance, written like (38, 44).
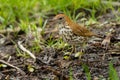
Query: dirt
(50, 63)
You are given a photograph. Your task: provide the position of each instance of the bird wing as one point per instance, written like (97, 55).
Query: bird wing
(82, 31)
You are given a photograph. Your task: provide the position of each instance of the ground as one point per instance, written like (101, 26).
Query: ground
(50, 63)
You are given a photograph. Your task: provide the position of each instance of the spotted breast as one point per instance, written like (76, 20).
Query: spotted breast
(68, 36)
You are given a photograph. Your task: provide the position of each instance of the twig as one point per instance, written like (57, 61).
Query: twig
(25, 50)
(18, 69)
(107, 39)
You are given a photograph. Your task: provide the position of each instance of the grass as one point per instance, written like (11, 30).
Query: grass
(71, 74)
(112, 72)
(87, 72)
(25, 13)
(113, 75)
(17, 11)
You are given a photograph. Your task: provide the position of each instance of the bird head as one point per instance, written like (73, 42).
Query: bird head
(61, 19)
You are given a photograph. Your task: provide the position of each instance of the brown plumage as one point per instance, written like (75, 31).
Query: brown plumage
(77, 29)
(71, 32)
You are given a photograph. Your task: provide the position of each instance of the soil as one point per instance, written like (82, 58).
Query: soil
(50, 63)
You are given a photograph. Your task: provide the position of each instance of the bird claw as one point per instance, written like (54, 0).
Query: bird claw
(69, 55)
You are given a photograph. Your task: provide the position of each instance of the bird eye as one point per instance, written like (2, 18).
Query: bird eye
(60, 18)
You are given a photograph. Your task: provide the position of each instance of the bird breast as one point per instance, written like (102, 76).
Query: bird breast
(65, 30)
(68, 36)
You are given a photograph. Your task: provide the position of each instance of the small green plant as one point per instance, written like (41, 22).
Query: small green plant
(71, 74)
(3, 65)
(87, 72)
(60, 44)
(24, 26)
(112, 72)
(50, 42)
(21, 54)
(30, 68)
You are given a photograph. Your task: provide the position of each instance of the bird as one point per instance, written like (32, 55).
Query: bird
(71, 32)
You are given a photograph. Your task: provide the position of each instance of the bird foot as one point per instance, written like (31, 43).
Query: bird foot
(82, 50)
(76, 55)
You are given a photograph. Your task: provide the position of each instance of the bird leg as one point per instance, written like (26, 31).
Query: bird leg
(73, 49)
(84, 46)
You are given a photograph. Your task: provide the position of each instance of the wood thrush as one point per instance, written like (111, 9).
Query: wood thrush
(71, 32)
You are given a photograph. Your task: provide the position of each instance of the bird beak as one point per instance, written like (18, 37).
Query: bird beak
(52, 21)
